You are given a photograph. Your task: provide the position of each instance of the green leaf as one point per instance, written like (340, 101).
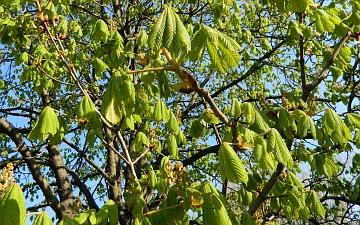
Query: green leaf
(196, 129)
(325, 21)
(22, 59)
(66, 221)
(313, 202)
(293, 180)
(101, 31)
(335, 127)
(235, 108)
(209, 117)
(141, 140)
(81, 218)
(247, 219)
(138, 206)
(44, 219)
(86, 111)
(292, 5)
(47, 124)
(172, 146)
(99, 66)
(142, 38)
(181, 39)
(303, 126)
(261, 122)
(172, 123)
(157, 32)
(169, 32)
(160, 112)
(231, 166)
(152, 179)
(275, 142)
(12, 206)
(249, 112)
(118, 99)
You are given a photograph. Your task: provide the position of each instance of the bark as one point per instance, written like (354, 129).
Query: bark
(65, 191)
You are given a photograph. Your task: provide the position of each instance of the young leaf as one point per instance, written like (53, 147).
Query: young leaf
(141, 140)
(172, 123)
(101, 31)
(275, 142)
(66, 221)
(303, 126)
(313, 202)
(249, 112)
(247, 219)
(160, 111)
(12, 206)
(156, 34)
(209, 117)
(196, 129)
(47, 124)
(261, 122)
(44, 219)
(231, 166)
(235, 108)
(172, 146)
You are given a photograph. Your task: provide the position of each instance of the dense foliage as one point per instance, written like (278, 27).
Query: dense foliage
(180, 112)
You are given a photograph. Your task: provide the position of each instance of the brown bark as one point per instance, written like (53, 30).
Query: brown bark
(65, 191)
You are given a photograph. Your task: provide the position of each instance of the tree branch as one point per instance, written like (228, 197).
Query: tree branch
(5, 127)
(309, 87)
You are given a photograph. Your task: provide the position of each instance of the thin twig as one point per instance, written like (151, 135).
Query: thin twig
(126, 151)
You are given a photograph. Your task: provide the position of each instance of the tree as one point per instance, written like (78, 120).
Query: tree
(181, 112)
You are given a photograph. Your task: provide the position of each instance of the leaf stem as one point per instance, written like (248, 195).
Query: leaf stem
(127, 155)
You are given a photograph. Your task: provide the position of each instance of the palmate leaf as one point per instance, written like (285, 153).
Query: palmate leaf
(12, 206)
(231, 166)
(100, 31)
(221, 48)
(118, 99)
(47, 124)
(325, 21)
(169, 32)
(281, 152)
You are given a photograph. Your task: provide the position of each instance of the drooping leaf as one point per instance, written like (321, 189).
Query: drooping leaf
(275, 142)
(313, 202)
(47, 124)
(172, 146)
(101, 31)
(231, 166)
(141, 140)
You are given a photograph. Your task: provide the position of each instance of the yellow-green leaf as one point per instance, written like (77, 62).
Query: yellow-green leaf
(12, 206)
(231, 166)
(47, 124)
